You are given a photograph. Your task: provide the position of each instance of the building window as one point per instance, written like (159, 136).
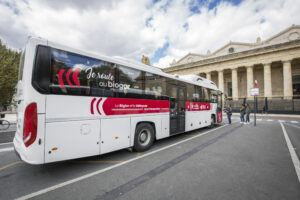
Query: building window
(296, 86)
(229, 89)
(231, 50)
(190, 59)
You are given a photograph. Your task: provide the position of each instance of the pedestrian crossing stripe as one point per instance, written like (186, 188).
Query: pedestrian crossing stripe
(294, 122)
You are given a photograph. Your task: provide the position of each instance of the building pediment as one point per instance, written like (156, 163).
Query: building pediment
(189, 58)
(289, 34)
(232, 47)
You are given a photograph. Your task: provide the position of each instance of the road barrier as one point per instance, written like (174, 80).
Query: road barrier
(274, 104)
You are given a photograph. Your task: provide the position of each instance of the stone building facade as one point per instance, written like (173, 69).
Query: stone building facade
(274, 63)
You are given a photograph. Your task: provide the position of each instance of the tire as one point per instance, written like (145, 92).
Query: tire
(144, 137)
(212, 122)
(4, 124)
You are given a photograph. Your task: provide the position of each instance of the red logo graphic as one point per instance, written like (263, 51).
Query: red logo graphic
(74, 77)
(98, 102)
(97, 105)
(92, 105)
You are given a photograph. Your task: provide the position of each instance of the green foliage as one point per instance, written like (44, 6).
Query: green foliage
(9, 64)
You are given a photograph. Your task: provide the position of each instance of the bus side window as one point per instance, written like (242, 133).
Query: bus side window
(41, 73)
(190, 92)
(154, 86)
(130, 82)
(173, 106)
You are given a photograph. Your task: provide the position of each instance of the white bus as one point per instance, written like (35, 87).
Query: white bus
(73, 104)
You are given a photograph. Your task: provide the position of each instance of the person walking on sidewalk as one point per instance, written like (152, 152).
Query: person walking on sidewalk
(228, 111)
(248, 111)
(242, 113)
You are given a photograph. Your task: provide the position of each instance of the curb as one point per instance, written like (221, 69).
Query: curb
(270, 115)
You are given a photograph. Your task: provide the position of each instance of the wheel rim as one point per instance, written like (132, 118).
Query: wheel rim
(4, 125)
(144, 137)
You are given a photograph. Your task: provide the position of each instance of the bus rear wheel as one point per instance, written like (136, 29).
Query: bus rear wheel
(144, 137)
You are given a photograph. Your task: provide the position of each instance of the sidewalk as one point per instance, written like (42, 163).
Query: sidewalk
(269, 115)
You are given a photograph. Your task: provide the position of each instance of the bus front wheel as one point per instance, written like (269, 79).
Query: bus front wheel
(144, 137)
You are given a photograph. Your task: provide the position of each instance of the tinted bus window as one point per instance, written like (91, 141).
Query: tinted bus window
(190, 90)
(198, 97)
(80, 75)
(129, 82)
(214, 96)
(206, 97)
(40, 76)
(153, 85)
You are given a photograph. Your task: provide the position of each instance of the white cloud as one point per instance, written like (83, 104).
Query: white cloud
(212, 29)
(163, 62)
(133, 28)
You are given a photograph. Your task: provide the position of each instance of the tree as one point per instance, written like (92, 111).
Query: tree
(9, 62)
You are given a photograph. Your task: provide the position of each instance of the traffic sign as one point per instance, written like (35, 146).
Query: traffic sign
(254, 91)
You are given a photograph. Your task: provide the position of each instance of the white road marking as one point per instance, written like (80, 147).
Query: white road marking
(54, 187)
(294, 122)
(270, 120)
(6, 143)
(7, 149)
(294, 156)
(281, 120)
(258, 119)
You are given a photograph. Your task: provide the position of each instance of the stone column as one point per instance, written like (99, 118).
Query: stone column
(208, 76)
(287, 79)
(234, 81)
(221, 80)
(249, 81)
(267, 80)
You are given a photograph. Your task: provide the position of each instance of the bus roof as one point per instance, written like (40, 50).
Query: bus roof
(192, 79)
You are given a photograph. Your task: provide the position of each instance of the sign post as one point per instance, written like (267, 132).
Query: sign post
(254, 92)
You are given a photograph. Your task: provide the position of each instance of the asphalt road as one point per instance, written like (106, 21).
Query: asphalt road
(234, 161)
(7, 135)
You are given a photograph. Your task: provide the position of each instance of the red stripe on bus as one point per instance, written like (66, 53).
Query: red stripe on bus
(92, 105)
(68, 78)
(61, 82)
(75, 76)
(120, 106)
(98, 102)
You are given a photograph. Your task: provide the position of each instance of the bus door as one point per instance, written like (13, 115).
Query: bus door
(177, 108)
(219, 108)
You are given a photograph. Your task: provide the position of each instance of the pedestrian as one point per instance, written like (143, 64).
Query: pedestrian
(264, 110)
(248, 111)
(228, 111)
(242, 113)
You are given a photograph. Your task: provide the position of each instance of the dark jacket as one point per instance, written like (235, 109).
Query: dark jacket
(248, 110)
(228, 111)
(243, 110)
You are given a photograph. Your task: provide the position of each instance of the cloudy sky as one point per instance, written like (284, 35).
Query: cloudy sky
(163, 30)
